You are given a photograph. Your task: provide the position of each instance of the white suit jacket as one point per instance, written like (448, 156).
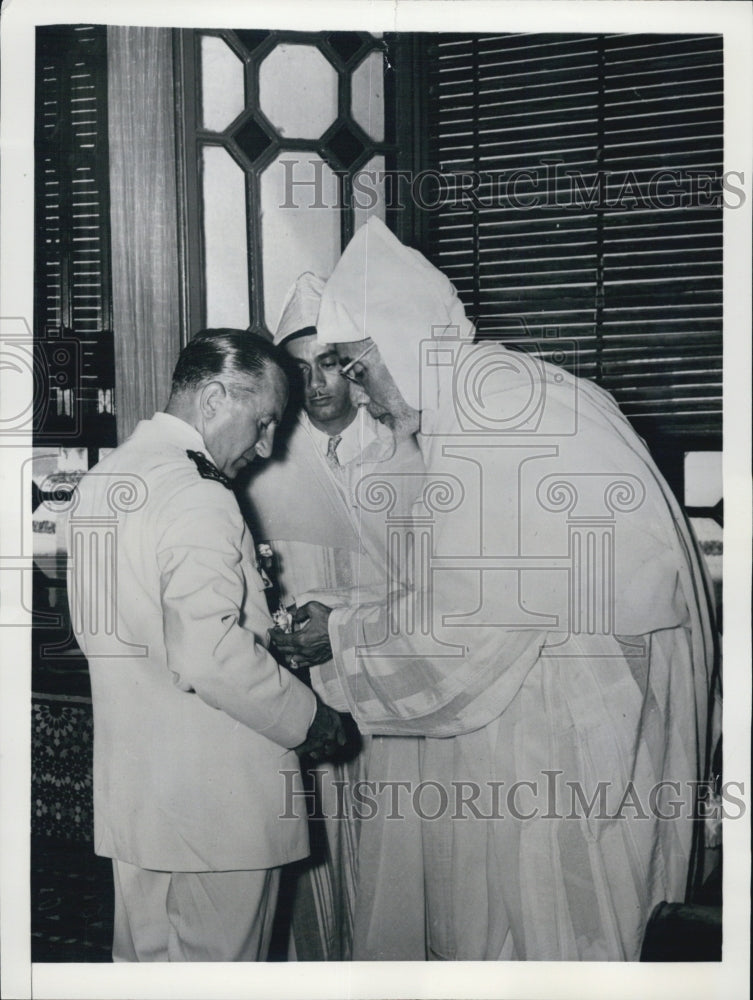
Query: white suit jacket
(192, 715)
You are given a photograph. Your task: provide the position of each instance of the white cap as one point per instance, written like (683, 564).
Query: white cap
(301, 306)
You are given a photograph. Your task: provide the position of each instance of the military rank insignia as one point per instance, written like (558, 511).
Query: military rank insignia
(207, 469)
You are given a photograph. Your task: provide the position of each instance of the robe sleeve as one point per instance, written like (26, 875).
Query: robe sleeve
(439, 675)
(412, 693)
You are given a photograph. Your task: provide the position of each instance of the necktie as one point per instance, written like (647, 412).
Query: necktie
(342, 557)
(332, 460)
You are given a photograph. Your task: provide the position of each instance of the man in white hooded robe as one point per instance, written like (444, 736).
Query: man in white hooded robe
(553, 640)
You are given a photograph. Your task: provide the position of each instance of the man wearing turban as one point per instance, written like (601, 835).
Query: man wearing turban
(551, 639)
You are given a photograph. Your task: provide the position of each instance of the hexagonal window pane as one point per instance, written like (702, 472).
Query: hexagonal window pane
(298, 91)
(367, 96)
(368, 191)
(345, 43)
(252, 139)
(222, 91)
(225, 239)
(300, 224)
(346, 146)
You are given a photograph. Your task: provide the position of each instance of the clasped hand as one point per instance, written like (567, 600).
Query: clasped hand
(326, 735)
(308, 644)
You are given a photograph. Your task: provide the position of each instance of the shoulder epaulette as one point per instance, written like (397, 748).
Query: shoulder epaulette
(207, 469)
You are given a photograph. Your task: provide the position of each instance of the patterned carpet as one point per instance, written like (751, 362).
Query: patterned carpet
(71, 903)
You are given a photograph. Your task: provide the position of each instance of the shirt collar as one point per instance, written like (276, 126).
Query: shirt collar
(354, 438)
(173, 430)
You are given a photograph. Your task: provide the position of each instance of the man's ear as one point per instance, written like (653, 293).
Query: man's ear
(211, 398)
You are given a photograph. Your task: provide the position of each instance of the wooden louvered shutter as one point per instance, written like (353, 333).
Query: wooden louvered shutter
(661, 330)
(72, 235)
(590, 209)
(515, 112)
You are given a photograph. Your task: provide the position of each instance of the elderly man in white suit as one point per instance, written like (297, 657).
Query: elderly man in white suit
(193, 718)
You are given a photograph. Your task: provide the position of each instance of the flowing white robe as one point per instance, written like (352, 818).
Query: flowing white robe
(362, 894)
(555, 632)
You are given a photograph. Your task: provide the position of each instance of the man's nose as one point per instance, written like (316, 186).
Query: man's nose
(316, 377)
(358, 395)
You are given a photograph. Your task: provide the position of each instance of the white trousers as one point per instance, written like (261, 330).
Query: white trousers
(193, 916)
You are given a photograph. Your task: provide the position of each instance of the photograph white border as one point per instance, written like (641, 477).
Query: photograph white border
(383, 980)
